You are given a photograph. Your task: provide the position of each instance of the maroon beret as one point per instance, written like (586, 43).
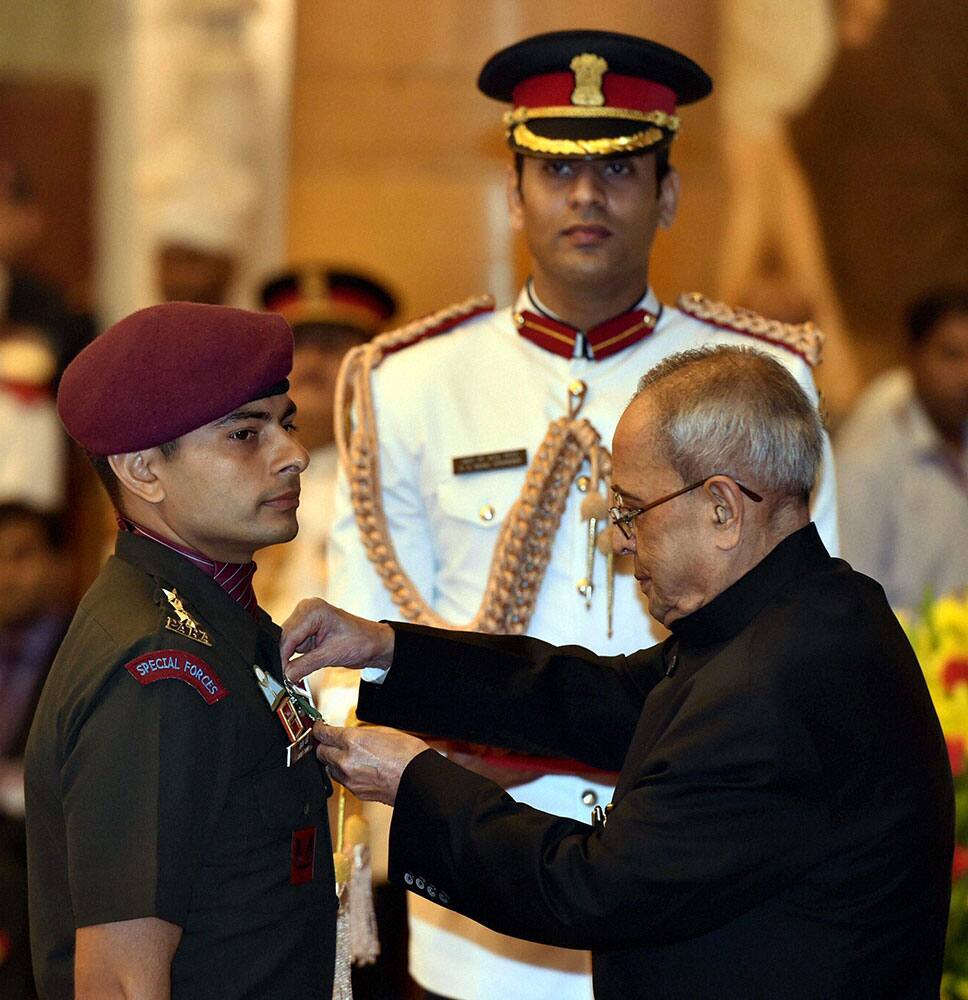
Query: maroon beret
(169, 369)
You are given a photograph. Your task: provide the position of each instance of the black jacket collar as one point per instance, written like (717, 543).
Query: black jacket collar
(730, 612)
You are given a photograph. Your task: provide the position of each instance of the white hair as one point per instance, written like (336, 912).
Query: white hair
(736, 411)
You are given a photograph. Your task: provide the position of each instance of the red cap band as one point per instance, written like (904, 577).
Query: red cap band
(283, 300)
(620, 91)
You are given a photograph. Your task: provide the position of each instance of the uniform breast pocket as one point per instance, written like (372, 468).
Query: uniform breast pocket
(479, 500)
(271, 852)
(469, 513)
(291, 810)
(291, 797)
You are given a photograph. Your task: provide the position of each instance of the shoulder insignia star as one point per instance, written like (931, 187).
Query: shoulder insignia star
(183, 623)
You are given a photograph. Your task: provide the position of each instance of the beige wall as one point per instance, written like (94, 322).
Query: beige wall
(398, 161)
(51, 39)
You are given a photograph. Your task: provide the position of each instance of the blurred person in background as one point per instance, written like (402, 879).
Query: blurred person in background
(34, 615)
(198, 238)
(27, 300)
(330, 311)
(37, 337)
(902, 461)
(33, 448)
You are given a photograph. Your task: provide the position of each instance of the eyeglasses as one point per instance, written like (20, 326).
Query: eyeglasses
(622, 516)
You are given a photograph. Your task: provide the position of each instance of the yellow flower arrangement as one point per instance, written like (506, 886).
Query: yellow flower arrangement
(939, 635)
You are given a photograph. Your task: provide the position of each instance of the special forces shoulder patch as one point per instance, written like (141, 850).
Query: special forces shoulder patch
(182, 622)
(176, 664)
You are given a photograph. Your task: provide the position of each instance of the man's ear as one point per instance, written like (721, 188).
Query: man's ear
(668, 198)
(725, 511)
(512, 183)
(136, 472)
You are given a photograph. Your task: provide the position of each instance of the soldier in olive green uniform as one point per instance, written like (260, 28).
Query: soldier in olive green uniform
(177, 828)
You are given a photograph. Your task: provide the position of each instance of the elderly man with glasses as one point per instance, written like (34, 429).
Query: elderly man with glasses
(782, 823)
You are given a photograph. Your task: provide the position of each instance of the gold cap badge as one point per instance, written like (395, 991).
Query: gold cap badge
(588, 70)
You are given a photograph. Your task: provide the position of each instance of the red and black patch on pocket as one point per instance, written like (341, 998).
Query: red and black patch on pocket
(303, 855)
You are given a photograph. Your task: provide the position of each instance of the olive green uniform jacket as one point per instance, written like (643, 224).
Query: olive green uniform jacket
(157, 786)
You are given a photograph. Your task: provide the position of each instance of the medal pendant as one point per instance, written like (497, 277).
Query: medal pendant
(299, 748)
(294, 711)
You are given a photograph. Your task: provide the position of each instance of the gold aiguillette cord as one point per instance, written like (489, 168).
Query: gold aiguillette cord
(354, 876)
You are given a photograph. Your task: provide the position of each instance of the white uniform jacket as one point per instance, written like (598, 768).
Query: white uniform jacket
(478, 389)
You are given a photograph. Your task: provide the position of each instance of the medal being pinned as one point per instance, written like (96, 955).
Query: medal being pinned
(296, 712)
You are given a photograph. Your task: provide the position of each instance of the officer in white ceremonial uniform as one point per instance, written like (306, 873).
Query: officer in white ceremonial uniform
(455, 417)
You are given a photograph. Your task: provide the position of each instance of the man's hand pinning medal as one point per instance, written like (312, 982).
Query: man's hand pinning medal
(368, 761)
(329, 637)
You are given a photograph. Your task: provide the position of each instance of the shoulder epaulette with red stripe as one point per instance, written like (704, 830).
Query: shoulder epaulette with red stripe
(803, 339)
(433, 325)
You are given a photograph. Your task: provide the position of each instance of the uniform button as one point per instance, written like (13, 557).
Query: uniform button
(442, 897)
(486, 513)
(582, 483)
(589, 797)
(431, 891)
(577, 388)
(408, 878)
(420, 882)
(306, 809)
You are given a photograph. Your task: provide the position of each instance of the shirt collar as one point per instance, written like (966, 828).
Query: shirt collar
(922, 434)
(730, 612)
(921, 437)
(535, 322)
(234, 578)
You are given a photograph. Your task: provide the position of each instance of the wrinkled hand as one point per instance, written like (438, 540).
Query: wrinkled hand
(368, 761)
(328, 636)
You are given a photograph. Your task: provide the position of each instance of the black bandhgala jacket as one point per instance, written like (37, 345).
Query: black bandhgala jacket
(783, 820)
